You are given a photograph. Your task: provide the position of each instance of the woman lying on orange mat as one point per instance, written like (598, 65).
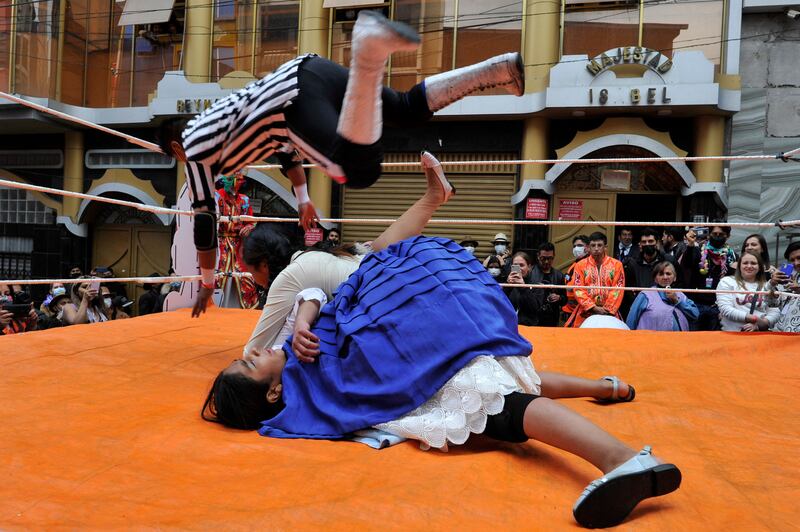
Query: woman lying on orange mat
(421, 342)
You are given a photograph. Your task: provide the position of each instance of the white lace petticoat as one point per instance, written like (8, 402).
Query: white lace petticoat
(462, 405)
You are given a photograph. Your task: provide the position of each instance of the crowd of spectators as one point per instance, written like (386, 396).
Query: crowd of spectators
(593, 283)
(90, 298)
(671, 259)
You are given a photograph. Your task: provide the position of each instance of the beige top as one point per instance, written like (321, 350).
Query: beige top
(312, 269)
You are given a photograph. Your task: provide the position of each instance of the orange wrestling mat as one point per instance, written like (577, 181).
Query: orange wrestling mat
(100, 429)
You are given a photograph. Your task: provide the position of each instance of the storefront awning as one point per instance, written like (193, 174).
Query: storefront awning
(146, 12)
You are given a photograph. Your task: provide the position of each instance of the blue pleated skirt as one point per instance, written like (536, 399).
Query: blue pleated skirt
(398, 328)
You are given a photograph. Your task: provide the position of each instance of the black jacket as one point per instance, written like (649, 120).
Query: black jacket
(531, 303)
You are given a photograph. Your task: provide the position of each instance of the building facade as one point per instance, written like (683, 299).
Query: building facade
(603, 80)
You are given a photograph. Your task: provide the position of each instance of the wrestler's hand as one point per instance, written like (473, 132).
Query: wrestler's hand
(305, 344)
(203, 297)
(308, 215)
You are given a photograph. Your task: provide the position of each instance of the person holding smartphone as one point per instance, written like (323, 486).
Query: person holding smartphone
(87, 304)
(704, 265)
(16, 310)
(786, 279)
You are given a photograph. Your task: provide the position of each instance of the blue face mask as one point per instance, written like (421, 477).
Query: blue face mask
(59, 291)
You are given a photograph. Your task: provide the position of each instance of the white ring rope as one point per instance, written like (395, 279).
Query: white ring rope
(64, 116)
(155, 148)
(364, 221)
(524, 162)
(647, 289)
(505, 285)
(143, 280)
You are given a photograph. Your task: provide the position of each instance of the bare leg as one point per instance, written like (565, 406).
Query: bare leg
(560, 386)
(416, 217)
(556, 425)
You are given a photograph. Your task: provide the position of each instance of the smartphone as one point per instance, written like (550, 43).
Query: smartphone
(94, 285)
(516, 268)
(788, 269)
(20, 310)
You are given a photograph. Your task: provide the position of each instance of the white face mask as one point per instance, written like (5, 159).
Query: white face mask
(500, 248)
(494, 272)
(107, 301)
(470, 249)
(578, 251)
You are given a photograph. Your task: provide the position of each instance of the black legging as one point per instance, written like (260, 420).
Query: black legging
(314, 116)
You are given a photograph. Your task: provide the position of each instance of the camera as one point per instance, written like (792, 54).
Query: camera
(19, 310)
(701, 232)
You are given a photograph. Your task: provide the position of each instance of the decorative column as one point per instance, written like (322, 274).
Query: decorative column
(709, 140)
(73, 172)
(314, 20)
(198, 35)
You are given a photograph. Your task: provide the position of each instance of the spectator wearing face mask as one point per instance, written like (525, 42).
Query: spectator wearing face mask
(662, 311)
(705, 265)
(580, 250)
(639, 268)
(55, 289)
(470, 244)
(75, 272)
(502, 251)
(495, 269)
(17, 314)
(55, 311)
(87, 304)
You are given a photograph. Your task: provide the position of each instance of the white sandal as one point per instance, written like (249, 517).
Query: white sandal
(608, 500)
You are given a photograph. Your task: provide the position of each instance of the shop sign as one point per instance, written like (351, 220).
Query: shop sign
(195, 106)
(570, 209)
(536, 209)
(313, 236)
(630, 55)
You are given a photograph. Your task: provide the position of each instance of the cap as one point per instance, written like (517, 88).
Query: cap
(122, 302)
(468, 240)
(500, 237)
(51, 305)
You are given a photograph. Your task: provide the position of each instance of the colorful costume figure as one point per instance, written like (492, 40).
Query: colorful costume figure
(589, 273)
(237, 292)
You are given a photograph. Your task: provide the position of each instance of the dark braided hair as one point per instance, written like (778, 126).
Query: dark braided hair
(239, 402)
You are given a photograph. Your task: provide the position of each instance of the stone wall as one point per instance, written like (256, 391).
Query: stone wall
(769, 122)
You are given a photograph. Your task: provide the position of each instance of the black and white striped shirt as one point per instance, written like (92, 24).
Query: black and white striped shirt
(244, 127)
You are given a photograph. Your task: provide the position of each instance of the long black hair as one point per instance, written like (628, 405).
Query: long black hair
(239, 402)
(269, 243)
